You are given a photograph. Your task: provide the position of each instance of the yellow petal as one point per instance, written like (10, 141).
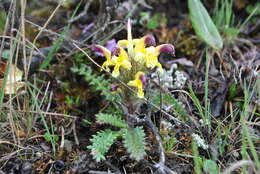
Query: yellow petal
(151, 57)
(139, 45)
(137, 82)
(140, 93)
(123, 54)
(115, 72)
(130, 46)
(140, 57)
(122, 43)
(106, 65)
(106, 53)
(103, 50)
(132, 83)
(126, 64)
(120, 60)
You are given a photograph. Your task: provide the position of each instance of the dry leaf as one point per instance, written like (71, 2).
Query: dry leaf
(20, 133)
(14, 77)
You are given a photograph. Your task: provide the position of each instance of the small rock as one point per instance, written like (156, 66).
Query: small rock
(26, 168)
(59, 165)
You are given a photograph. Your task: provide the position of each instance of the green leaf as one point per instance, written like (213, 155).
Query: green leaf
(6, 54)
(101, 143)
(152, 24)
(203, 25)
(134, 142)
(111, 119)
(86, 122)
(49, 137)
(232, 91)
(197, 159)
(169, 99)
(251, 8)
(96, 82)
(210, 167)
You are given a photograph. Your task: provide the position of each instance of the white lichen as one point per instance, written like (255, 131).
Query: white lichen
(166, 124)
(179, 80)
(170, 79)
(199, 141)
(165, 77)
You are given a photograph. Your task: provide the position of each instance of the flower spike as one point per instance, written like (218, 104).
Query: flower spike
(134, 55)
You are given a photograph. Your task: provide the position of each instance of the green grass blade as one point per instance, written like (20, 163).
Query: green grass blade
(197, 159)
(48, 133)
(57, 44)
(196, 102)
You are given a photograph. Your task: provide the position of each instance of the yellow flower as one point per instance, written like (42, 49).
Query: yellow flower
(142, 53)
(106, 53)
(145, 41)
(139, 46)
(141, 50)
(122, 43)
(151, 58)
(152, 53)
(120, 58)
(138, 82)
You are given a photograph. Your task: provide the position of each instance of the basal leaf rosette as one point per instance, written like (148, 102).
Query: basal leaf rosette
(132, 59)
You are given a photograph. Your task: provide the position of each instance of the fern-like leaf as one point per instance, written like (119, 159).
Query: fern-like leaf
(134, 142)
(111, 119)
(101, 143)
(97, 82)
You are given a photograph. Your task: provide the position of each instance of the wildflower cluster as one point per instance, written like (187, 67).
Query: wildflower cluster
(132, 58)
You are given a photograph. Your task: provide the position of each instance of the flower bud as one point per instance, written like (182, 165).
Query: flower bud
(116, 51)
(149, 40)
(166, 48)
(142, 77)
(98, 49)
(114, 87)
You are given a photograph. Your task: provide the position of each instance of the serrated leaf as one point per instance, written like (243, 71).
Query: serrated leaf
(111, 119)
(101, 143)
(203, 25)
(134, 142)
(97, 82)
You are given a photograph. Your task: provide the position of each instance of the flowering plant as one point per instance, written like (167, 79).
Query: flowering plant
(131, 60)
